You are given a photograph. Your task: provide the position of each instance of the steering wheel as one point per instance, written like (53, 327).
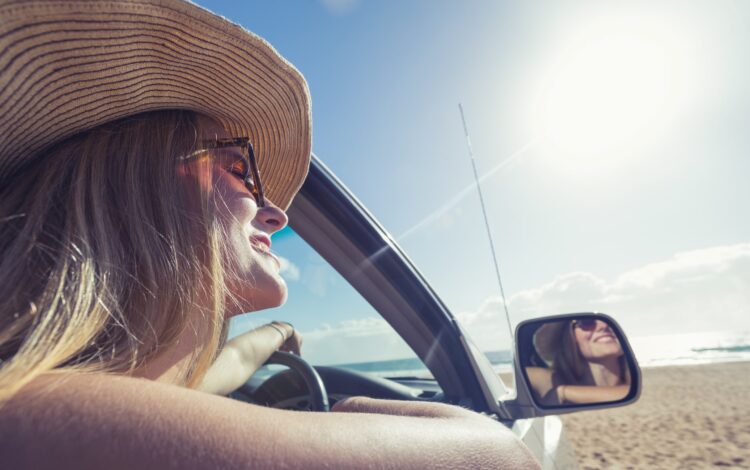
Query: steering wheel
(311, 378)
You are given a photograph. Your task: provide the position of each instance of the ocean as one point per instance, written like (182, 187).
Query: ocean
(650, 351)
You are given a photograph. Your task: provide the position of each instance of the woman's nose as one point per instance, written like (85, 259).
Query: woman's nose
(601, 325)
(271, 218)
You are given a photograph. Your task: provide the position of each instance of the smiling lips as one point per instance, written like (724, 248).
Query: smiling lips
(604, 338)
(262, 243)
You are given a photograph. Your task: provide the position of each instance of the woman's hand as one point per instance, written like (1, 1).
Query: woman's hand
(293, 344)
(246, 353)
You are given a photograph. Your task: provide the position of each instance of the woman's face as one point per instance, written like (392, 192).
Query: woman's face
(253, 277)
(596, 342)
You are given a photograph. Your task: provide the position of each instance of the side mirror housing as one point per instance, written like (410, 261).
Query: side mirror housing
(572, 362)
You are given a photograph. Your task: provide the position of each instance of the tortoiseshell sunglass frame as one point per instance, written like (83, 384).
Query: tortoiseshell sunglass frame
(252, 174)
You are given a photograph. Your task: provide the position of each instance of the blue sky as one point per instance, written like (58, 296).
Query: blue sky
(626, 123)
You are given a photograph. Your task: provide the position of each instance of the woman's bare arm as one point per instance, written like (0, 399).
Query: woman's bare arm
(541, 380)
(579, 394)
(115, 422)
(549, 392)
(246, 353)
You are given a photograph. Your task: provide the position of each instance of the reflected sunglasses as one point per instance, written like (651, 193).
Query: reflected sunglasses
(250, 173)
(586, 324)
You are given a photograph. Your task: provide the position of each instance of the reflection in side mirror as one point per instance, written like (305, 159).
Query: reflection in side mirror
(576, 360)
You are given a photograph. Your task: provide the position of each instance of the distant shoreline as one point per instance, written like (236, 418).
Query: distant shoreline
(696, 363)
(413, 366)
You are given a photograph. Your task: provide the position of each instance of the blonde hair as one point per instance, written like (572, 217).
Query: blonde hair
(103, 264)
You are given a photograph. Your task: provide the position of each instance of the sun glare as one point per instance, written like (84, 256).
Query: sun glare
(615, 85)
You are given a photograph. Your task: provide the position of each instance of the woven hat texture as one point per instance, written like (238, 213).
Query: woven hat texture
(69, 66)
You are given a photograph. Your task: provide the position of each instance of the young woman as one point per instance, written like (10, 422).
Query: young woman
(587, 364)
(134, 221)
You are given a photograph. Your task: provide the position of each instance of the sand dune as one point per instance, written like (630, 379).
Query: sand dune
(687, 417)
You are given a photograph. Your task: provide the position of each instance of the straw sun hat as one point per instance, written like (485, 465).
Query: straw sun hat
(69, 66)
(548, 339)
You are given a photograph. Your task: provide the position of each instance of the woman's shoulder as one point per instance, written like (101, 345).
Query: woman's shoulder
(542, 380)
(542, 374)
(94, 394)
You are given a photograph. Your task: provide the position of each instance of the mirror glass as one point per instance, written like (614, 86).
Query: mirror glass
(576, 360)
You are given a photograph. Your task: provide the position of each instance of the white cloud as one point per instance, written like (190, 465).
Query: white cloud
(340, 7)
(350, 341)
(289, 270)
(450, 218)
(700, 290)
(318, 278)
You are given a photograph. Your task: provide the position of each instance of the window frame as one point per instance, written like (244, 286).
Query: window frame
(336, 225)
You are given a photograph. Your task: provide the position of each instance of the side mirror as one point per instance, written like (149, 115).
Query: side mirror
(573, 362)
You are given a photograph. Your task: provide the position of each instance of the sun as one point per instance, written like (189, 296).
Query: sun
(612, 87)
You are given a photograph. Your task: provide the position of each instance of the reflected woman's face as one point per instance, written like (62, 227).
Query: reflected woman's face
(596, 342)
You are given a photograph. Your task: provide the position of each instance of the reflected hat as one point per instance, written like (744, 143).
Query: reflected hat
(548, 339)
(69, 66)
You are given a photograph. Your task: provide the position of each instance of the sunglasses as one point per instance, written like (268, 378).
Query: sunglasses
(586, 324)
(249, 170)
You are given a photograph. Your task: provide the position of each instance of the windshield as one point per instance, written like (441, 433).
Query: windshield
(609, 140)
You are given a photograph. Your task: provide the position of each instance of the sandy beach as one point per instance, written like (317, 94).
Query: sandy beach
(687, 417)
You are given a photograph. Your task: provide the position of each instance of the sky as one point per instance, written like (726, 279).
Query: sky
(610, 138)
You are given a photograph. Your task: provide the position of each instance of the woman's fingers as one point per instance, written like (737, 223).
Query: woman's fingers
(293, 344)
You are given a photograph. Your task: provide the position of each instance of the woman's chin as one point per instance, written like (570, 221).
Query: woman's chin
(263, 296)
(276, 293)
(604, 356)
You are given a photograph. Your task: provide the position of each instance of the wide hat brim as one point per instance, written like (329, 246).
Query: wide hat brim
(69, 66)
(548, 340)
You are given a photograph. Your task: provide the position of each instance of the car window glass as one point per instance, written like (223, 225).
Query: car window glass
(338, 326)
(451, 250)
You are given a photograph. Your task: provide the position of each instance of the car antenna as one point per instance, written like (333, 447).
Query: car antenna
(486, 222)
